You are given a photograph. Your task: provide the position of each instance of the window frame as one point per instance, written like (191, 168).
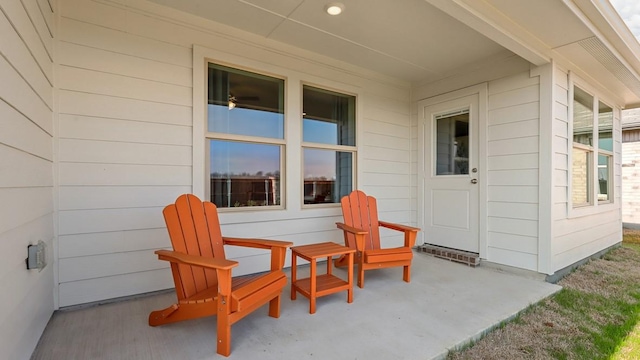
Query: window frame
(331, 147)
(292, 196)
(594, 206)
(249, 139)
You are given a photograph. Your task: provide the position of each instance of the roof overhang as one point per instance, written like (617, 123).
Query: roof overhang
(585, 36)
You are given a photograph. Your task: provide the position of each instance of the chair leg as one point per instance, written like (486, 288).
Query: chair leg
(407, 273)
(274, 307)
(176, 312)
(360, 277)
(224, 336)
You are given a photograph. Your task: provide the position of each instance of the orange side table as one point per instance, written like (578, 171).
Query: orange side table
(320, 285)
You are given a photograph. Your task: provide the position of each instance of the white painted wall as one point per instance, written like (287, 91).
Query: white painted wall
(125, 79)
(26, 164)
(577, 235)
(513, 160)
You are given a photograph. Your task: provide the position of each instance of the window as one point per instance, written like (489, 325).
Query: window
(329, 145)
(245, 133)
(605, 152)
(452, 139)
(592, 152)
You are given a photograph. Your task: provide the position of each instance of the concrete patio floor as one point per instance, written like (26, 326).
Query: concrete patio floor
(445, 305)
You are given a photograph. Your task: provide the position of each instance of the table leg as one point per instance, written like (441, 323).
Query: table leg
(329, 265)
(312, 290)
(350, 278)
(293, 275)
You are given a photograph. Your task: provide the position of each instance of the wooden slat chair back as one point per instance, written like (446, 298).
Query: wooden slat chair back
(362, 232)
(361, 212)
(194, 230)
(202, 275)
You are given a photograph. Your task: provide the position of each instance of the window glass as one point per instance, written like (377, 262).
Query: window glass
(605, 127)
(582, 117)
(328, 175)
(329, 139)
(591, 160)
(452, 144)
(328, 117)
(580, 177)
(245, 123)
(604, 169)
(245, 103)
(244, 174)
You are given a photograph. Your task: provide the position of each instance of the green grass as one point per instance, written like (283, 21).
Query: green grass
(629, 348)
(620, 333)
(599, 320)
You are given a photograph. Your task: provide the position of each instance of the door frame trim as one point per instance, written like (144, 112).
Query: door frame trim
(481, 90)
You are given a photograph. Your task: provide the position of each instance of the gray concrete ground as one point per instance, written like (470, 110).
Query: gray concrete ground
(445, 305)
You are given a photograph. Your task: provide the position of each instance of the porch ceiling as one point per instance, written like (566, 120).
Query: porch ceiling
(410, 39)
(423, 41)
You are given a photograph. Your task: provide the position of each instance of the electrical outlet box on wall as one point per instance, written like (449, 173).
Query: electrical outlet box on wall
(36, 258)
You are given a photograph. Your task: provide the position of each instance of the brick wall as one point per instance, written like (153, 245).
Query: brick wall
(580, 185)
(631, 182)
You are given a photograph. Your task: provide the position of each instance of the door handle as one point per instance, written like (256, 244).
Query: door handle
(474, 181)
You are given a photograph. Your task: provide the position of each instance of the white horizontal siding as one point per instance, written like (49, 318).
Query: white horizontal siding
(124, 131)
(26, 165)
(513, 161)
(113, 107)
(581, 233)
(123, 174)
(125, 148)
(113, 197)
(81, 245)
(119, 152)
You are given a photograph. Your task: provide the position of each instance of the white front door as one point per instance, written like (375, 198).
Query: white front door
(450, 173)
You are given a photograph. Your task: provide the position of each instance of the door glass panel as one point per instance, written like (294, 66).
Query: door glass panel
(452, 143)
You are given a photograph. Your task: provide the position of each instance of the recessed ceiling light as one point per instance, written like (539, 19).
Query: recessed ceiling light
(334, 8)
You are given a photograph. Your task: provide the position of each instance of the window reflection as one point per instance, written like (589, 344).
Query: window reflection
(604, 169)
(329, 117)
(452, 144)
(580, 177)
(605, 155)
(327, 175)
(245, 122)
(329, 139)
(245, 103)
(582, 117)
(244, 174)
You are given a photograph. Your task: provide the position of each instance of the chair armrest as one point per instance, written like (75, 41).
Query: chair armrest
(358, 234)
(410, 232)
(256, 243)
(398, 227)
(201, 261)
(351, 229)
(278, 248)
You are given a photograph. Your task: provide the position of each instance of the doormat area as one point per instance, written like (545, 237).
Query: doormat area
(459, 256)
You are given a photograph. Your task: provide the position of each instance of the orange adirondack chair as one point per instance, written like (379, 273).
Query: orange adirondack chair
(361, 232)
(202, 274)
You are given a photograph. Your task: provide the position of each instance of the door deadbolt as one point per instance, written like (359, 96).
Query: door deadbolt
(474, 170)
(474, 181)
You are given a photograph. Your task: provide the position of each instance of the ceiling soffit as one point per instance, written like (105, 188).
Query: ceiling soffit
(423, 41)
(410, 40)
